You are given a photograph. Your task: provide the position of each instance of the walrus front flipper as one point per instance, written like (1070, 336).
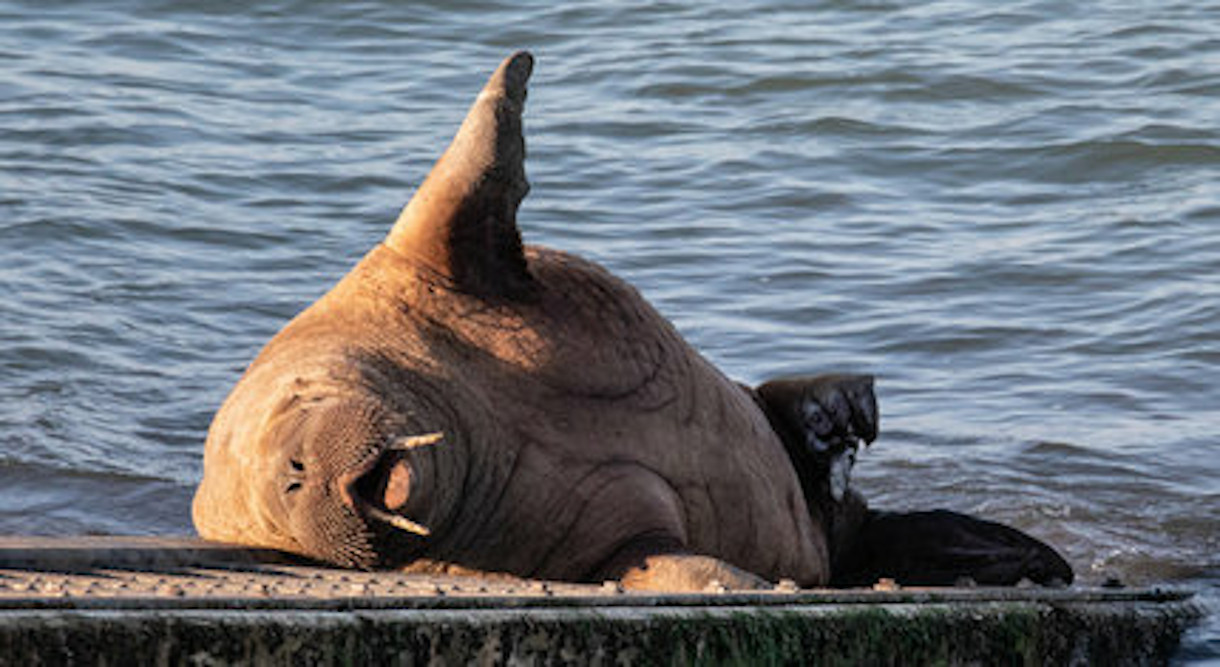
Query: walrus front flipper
(941, 548)
(461, 225)
(657, 563)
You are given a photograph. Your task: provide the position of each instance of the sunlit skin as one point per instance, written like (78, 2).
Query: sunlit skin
(461, 401)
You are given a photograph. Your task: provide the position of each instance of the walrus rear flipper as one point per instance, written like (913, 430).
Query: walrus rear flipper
(941, 548)
(461, 225)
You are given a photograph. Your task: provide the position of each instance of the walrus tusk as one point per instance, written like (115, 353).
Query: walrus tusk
(412, 441)
(399, 522)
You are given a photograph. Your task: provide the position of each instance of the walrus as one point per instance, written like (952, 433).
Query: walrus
(463, 402)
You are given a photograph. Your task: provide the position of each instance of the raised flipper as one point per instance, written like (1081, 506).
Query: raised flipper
(461, 225)
(943, 548)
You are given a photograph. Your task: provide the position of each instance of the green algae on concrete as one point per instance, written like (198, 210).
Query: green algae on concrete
(1022, 633)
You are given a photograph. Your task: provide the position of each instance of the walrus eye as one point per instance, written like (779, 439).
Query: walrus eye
(295, 486)
(296, 465)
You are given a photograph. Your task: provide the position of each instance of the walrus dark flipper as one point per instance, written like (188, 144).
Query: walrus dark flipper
(821, 412)
(940, 548)
(821, 420)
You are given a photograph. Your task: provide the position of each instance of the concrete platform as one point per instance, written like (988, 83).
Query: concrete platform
(183, 601)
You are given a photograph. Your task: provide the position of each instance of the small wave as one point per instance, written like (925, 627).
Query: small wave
(1120, 159)
(1055, 450)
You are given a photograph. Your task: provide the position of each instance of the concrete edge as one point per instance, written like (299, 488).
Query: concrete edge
(915, 633)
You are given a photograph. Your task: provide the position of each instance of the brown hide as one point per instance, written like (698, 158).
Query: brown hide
(576, 420)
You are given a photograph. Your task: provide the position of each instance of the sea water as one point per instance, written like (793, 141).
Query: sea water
(1008, 212)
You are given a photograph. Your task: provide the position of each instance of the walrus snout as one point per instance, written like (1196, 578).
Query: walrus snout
(379, 488)
(388, 483)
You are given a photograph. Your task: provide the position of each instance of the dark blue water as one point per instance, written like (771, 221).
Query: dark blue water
(1008, 212)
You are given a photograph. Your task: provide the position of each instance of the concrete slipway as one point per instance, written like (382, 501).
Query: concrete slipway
(162, 601)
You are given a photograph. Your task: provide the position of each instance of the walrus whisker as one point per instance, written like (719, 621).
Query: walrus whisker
(397, 521)
(412, 441)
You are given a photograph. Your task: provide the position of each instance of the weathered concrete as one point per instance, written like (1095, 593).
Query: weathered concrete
(180, 601)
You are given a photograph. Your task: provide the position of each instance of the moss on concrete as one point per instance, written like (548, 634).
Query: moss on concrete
(996, 633)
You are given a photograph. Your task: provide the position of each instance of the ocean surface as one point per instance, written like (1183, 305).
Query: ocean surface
(1008, 212)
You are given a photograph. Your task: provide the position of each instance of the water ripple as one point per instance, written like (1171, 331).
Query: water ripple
(1005, 211)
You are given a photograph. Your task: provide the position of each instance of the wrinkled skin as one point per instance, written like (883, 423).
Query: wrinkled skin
(461, 402)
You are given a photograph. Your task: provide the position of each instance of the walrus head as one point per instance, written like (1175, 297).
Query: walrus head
(331, 484)
(302, 461)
